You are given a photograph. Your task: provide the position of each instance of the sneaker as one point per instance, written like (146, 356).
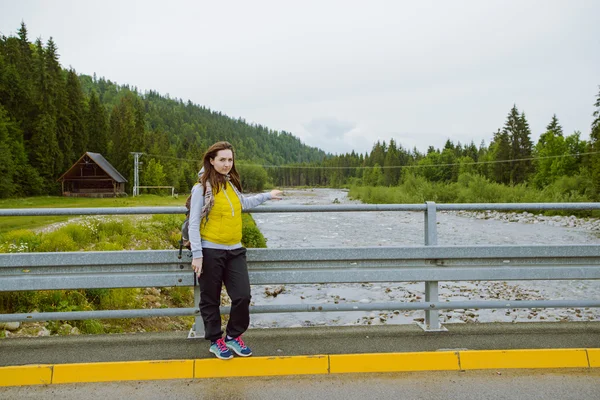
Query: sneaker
(239, 347)
(219, 349)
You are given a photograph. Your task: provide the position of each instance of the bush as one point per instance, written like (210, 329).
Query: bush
(91, 326)
(254, 177)
(20, 241)
(180, 296)
(57, 241)
(81, 234)
(251, 235)
(17, 302)
(119, 299)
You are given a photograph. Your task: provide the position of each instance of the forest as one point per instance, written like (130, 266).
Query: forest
(50, 116)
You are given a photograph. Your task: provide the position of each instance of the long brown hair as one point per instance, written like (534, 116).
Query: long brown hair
(210, 174)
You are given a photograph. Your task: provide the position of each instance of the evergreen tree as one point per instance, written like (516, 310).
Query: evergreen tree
(575, 146)
(44, 149)
(522, 169)
(75, 113)
(500, 153)
(44, 152)
(127, 134)
(518, 132)
(96, 126)
(152, 174)
(377, 155)
(391, 173)
(57, 91)
(8, 168)
(449, 168)
(554, 126)
(431, 168)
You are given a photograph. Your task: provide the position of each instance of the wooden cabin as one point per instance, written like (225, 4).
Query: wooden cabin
(92, 176)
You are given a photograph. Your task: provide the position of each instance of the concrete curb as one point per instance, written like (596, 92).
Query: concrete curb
(300, 365)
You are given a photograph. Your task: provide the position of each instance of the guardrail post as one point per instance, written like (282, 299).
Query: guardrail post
(432, 317)
(430, 224)
(197, 330)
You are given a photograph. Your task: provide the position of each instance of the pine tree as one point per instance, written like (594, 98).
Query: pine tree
(57, 91)
(96, 126)
(127, 132)
(523, 168)
(377, 155)
(392, 160)
(554, 126)
(500, 153)
(7, 165)
(75, 113)
(517, 130)
(44, 152)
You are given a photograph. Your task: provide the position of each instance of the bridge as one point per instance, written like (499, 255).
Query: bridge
(314, 351)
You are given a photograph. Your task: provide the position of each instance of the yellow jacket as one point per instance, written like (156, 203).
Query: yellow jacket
(223, 224)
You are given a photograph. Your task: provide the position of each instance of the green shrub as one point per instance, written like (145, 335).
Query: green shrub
(57, 241)
(93, 296)
(90, 326)
(20, 241)
(113, 227)
(254, 177)
(252, 237)
(17, 302)
(119, 299)
(81, 234)
(180, 296)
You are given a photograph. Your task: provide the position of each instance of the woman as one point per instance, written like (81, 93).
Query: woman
(215, 230)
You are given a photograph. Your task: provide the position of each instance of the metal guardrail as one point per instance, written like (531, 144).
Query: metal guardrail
(429, 264)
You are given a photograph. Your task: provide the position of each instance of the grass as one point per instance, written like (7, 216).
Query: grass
(103, 233)
(11, 223)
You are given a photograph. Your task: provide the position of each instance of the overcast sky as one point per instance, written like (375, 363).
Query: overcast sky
(341, 75)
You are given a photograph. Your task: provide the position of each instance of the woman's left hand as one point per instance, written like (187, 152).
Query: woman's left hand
(276, 194)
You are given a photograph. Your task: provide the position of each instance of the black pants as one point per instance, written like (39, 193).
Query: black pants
(228, 267)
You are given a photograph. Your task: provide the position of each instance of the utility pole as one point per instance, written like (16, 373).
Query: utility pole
(136, 171)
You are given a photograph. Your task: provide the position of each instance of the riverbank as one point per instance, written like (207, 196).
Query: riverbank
(589, 224)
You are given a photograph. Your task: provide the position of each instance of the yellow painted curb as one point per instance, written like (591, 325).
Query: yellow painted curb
(26, 375)
(532, 358)
(594, 357)
(262, 366)
(299, 365)
(123, 371)
(394, 362)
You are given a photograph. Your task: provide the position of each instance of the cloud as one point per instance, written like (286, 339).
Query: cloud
(333, 135)
(329, 126)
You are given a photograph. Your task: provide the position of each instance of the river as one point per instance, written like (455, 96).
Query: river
(350, 229)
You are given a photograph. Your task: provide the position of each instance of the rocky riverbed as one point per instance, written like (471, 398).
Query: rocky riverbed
(406, 228)
(589, 224)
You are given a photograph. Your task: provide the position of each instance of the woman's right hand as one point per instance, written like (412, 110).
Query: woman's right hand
(197, 266)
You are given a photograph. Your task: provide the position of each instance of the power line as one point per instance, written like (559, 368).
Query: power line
(392, 166)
